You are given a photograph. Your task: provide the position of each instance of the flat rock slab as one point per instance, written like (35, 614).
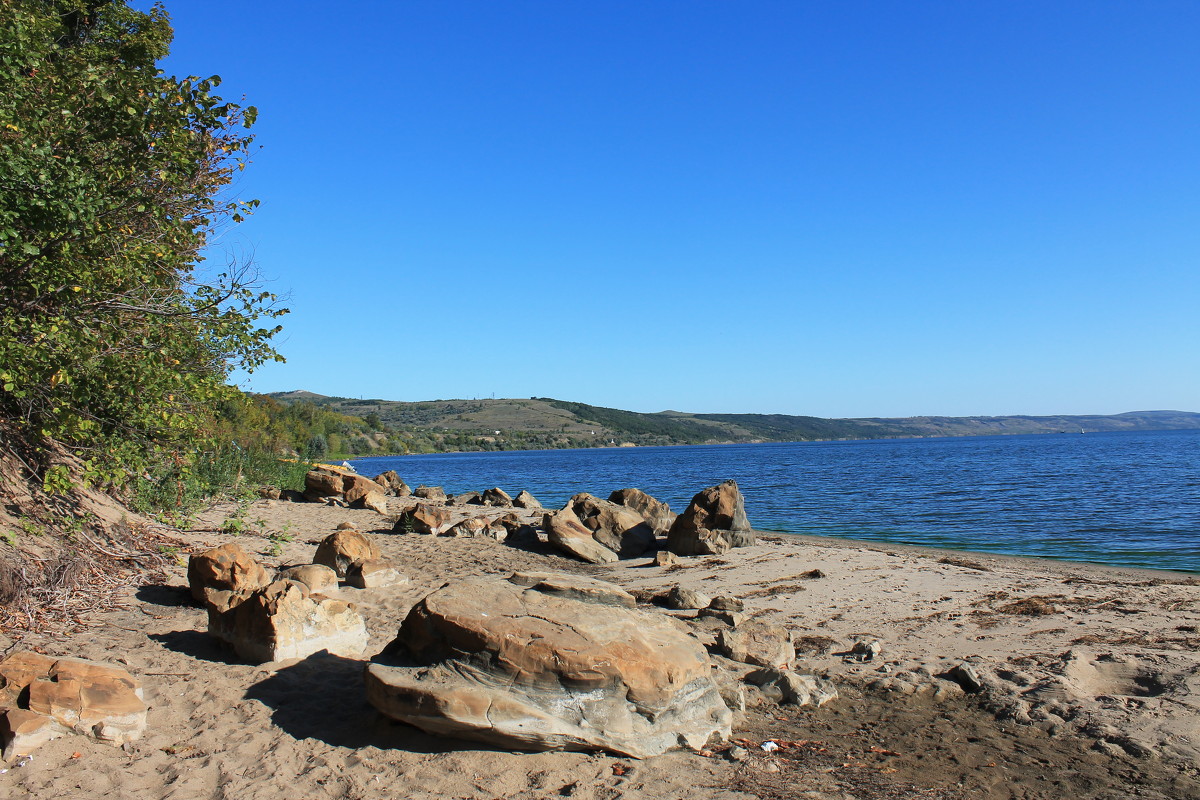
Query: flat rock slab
(548, 662)
(43, 698)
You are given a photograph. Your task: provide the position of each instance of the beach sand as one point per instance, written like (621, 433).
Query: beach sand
(1090, 683)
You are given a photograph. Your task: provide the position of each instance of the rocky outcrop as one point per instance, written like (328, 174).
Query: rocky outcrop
(44, 698)
(225, 575)
(714, 522)
(525, 500)
(656, 513)
(340, 549)
(620, 529)
(423, 518)
(285, 620)
(536, 663)
(566, 532)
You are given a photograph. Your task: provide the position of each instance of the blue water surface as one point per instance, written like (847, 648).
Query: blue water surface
(1130, 499)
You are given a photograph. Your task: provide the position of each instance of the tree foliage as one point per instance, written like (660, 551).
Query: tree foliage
(116, 337)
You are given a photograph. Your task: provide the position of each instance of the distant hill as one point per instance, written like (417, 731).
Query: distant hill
(545, 423)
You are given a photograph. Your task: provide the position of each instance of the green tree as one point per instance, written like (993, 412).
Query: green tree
(116, 337)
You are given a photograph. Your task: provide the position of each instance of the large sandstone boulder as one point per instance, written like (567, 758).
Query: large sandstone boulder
(340, 549)
(356, 487)
(618, 528)
(43, 698)
(714, 522)
(537, 663)
(423, 518)
(566, 532)
(497, 497)
(656, 513)
(757, 643)
(374, 500)
(322, 482)
(285, 620)
(225, 575)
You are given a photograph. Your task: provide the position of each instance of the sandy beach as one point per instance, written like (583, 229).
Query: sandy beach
(1081, 681)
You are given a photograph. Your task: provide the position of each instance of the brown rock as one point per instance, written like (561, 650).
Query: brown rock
(391, 482)
(434, 493)
(618, 528)
(375, 500)
(477, 526)
(269, 492)
(758, 643)
(656, 513)
(665, 558)
(566, 532)
(714, 522)
(538, 669)
(340, 549)
(525, 500)
(286, 621)
(356, 487)
(319, 578)
(322, 482)
(423, 518)
(67, 694)
(225, 575)
(374, 574)
(497, 497)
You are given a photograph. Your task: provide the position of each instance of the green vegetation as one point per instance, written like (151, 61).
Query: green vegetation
(116, 337)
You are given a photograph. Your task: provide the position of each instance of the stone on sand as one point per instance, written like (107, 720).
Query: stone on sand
(374, 573)
(433, 493)
(656, 513)
(714, 522)
(423, 518)
(285, 620)
(497, 497)
(541, 668)
(566, 532)
(620, 529)
(224, 575)
(43, 698)
(340, 549)
(525, 500)
(319, 578)
(757, 643)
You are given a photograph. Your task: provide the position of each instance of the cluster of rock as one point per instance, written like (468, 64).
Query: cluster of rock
(43, 698)
(628, 525)
(289, 615)
(546, 661)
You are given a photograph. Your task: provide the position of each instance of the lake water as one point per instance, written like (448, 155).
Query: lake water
(1129, 499)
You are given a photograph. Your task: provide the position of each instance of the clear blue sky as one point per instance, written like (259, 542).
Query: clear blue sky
(837, 208)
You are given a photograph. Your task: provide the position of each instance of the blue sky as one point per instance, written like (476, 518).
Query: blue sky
(838, 209)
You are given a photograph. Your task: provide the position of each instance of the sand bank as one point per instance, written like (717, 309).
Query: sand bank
(1088, 677)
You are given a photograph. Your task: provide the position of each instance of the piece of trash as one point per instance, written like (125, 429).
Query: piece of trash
(769, 746)
(620, 769)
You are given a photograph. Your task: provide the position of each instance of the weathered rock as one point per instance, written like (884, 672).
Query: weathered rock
(434, 493)
(618, 528)
(793, 688)
(566, 532)
(497, 497)
(757, 643)
(538, 668)
(286, 621)
(714, 522)
(356, 487)
(225, 575)
(525, 500)
(679, 598)
(465, 499)
(730, 618)
(665, 558)
(269, 492)
(391, 482)
(322, 482)
(575, 587)
(319, 578)
(477, 526)
(374, 500)
(423, 518)
(657, 513)
(43, 698)
(374, 574)
(727, 603)
(340, 549)
(347, 526)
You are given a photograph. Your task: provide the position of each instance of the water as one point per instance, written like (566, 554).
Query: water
(1130, 499)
